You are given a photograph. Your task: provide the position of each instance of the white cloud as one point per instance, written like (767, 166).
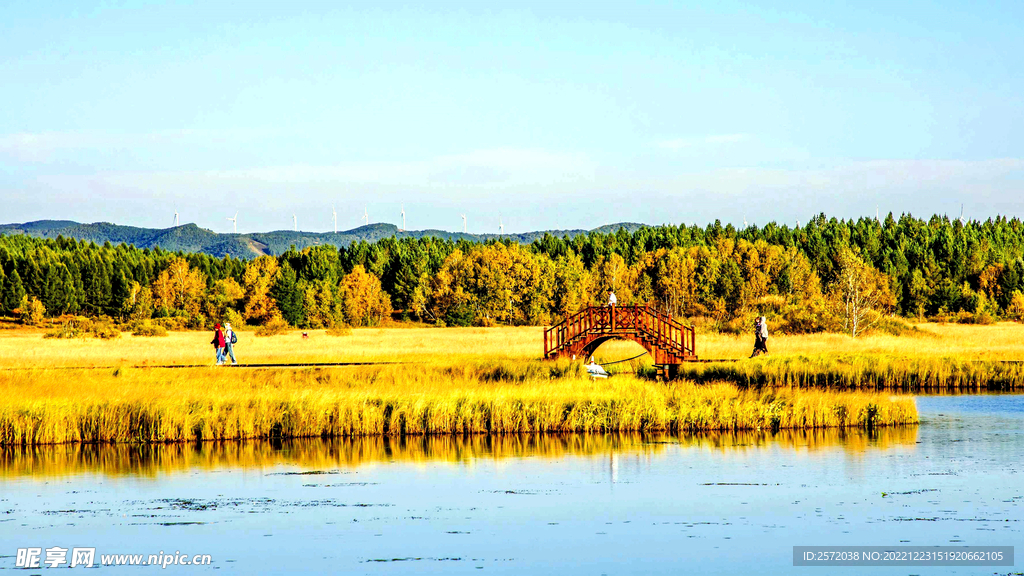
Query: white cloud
(476, 170)
(873, 176)
(47, 146)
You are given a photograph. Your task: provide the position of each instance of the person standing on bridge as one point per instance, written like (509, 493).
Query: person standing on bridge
(612, 300)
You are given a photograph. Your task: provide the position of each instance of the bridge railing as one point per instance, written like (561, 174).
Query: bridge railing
(663, 331)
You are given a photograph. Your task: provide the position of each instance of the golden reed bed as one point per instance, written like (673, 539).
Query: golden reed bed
(510, 397)
(472, 381)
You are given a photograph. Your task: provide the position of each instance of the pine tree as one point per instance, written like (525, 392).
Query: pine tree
(13, 293)
(286, 293)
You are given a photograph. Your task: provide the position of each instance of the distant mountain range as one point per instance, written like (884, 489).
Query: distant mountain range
(192, 238)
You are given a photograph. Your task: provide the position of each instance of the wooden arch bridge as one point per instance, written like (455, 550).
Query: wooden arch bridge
(668, 341)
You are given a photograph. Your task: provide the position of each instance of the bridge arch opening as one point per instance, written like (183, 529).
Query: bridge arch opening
(619, 354)
(614, 348)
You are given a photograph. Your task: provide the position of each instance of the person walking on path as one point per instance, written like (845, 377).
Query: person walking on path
(229, 341)
(218, 344)
(760, 336)
(612, 299)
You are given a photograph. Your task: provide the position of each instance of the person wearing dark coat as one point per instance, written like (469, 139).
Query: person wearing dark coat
(760, 336)
(218, 344)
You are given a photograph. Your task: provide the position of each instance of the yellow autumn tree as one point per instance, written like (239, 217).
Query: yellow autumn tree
(364, 302)
(571, 285)
(225, 294)
(318, 304)
(448, 301)
(675, 287)
(179, 288)
(259, 276)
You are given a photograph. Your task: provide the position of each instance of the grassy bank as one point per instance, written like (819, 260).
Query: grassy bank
(508, 397)
(849, 371)
(933, 357)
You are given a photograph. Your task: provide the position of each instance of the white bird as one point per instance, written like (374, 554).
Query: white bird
(403, 218)
(334, 214)
(295, 223)
(175, 218)
(366, 217)
(463, 223)
(234, 223)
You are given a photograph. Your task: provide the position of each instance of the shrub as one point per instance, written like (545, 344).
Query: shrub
(234, 318)
(150, 330)
(76, 326)
(894, 326)
(68, 330)
(175, 323)
(32, 311)
(104, 328)
(339, 330)
(273, 327)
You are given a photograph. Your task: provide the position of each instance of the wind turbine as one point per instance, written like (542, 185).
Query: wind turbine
(961, 214)
(366, 217)
(463, 223)
(334, 214)
(501, 226)
(234, 223)
(175, 218)
(403, 218)
(745, 223)
(295, 223)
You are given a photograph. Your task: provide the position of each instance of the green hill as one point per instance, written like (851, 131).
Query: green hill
(192, 238)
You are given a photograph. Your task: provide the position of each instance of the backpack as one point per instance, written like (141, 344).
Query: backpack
(234, 337)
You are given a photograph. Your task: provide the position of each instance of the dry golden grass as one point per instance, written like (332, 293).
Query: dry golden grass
(193, 404)
(29, 349)
(1002, 341)
(937, 357)
(456, 381)
(26, 348)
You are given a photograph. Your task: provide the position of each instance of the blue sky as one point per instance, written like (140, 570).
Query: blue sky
(549, 114)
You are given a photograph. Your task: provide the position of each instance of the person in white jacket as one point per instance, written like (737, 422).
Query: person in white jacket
(760, 336)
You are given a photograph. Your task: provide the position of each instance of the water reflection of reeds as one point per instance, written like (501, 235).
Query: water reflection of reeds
(152, 460)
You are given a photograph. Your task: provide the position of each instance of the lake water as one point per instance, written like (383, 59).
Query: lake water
(707, 504)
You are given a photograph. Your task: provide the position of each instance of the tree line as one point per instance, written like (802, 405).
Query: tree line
(828, 274)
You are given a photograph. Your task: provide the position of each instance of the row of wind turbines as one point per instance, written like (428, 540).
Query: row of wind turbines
(334, 219)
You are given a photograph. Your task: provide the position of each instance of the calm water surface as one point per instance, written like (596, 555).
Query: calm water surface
(709, 504)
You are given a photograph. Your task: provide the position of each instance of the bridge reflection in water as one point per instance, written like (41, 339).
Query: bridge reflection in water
(154, 460)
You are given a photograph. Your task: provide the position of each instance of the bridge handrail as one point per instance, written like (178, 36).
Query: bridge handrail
(669, 333)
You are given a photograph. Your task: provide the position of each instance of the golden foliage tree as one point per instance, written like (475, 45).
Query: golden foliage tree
(180, 288)
(364, 302)
(258, 278)
(571, 290)
(860, 294)
(225, 294)
(318, 303)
